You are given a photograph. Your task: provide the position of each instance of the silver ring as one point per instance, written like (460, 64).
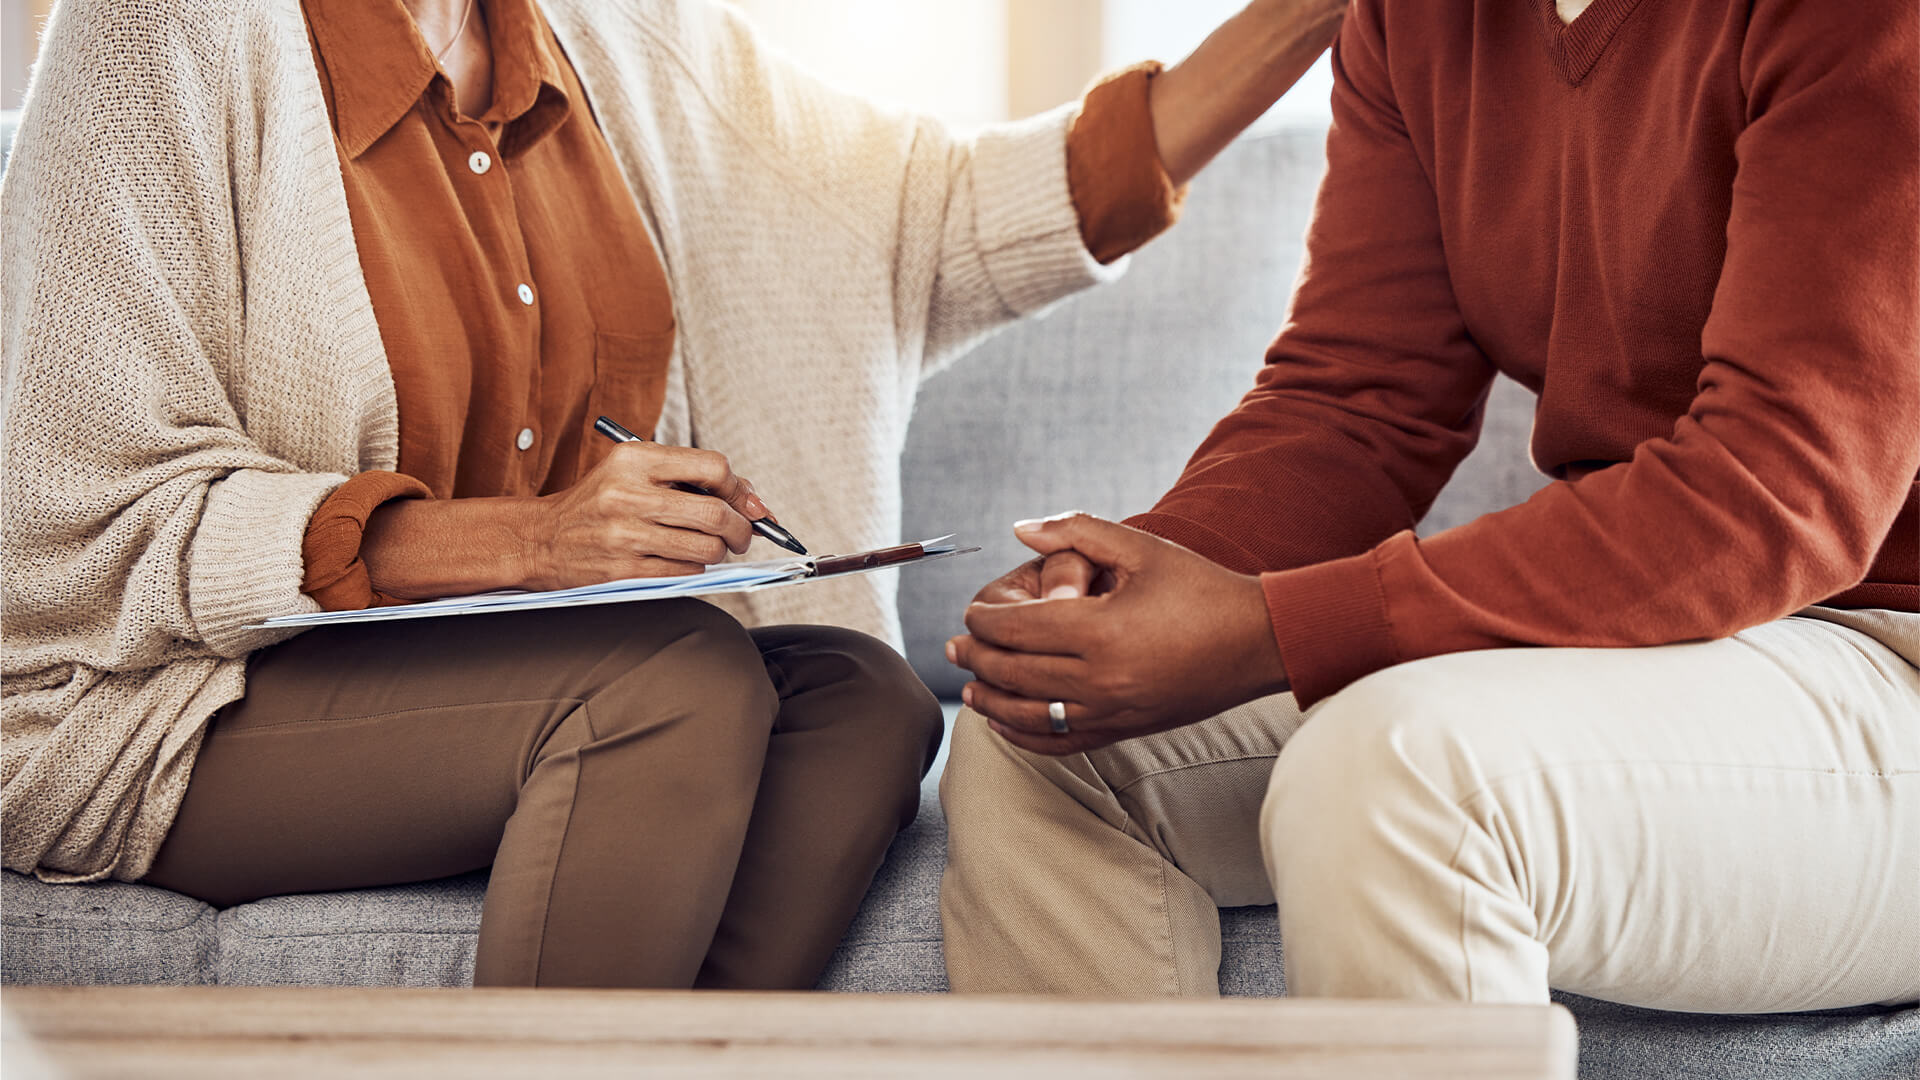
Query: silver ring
(1057, 716)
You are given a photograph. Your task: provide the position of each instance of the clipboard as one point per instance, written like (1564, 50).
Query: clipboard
(739, 577)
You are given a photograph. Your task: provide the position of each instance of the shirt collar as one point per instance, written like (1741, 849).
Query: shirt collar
(379, 68)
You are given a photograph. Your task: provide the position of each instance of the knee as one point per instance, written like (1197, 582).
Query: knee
(709, 664)
(986, 780)
(1382, 748)
(880, 705)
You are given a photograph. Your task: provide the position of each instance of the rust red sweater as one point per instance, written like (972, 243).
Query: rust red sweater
(1693, 228)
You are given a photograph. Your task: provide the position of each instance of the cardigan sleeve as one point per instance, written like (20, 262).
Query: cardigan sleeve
(144, 521)
(1009, 241)
(973, 230)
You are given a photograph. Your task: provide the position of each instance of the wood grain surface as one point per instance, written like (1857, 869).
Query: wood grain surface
(288, 1034)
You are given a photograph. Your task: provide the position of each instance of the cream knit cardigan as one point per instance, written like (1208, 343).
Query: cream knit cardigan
(192, 362)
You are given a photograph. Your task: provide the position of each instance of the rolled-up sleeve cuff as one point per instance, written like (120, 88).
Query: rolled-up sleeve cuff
(1120, 188)
(1330, 621)
(336, 577)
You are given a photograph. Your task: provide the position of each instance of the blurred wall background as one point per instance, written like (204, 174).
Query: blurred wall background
(20, 22)
(969, 62)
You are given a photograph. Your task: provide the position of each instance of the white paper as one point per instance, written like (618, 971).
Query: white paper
(723, 578)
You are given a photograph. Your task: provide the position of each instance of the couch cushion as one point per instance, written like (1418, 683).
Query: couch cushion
(406, 935)
(424, 935)
(110, 932)
(894, 942)
(1250, 957)
(1618, 1042)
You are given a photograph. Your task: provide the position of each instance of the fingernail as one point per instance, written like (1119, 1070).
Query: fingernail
(953, 653)
(758, 508)
(966, 696)
(1027, 525)
(1063, 592)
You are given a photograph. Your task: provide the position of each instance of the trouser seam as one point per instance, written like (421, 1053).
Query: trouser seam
(1453, 869)
(388, 713)
(559, 853)
(1485, 788)
(1166, 915)
(1183, 766)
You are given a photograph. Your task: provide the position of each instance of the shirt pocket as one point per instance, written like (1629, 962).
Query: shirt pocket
(629, 387)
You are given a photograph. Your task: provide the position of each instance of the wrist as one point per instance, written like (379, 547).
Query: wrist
(1201, 103)
(1265, 670)
(426, 548)
(527, 542)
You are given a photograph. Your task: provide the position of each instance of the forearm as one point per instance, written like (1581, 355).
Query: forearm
(1200, 104)
(421, 549)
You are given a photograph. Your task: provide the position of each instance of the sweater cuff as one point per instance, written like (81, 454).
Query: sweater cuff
(1025, 221)
(1330, 621)
(1120, 188)
(244, 565)
(336, 577)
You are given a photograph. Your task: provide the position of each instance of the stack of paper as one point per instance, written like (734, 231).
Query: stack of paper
(726, 577)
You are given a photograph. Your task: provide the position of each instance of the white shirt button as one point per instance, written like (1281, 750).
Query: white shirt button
(525, 439)
(479, 162)
(526, 294)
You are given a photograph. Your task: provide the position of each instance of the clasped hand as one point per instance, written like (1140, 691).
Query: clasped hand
(1133, 633)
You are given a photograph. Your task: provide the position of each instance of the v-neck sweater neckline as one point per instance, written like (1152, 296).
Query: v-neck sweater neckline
(1577, 46)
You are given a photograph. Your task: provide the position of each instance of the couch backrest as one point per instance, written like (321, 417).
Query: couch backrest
(1097, 406)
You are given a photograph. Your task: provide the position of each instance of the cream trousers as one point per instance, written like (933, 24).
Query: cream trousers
(1727, 826)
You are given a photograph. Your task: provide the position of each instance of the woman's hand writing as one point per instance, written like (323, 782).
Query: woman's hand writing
(631, 516)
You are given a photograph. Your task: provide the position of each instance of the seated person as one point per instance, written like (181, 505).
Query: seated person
(314, 305)
(1652, 736)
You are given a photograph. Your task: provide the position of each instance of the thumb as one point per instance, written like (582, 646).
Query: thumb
(1104, 542)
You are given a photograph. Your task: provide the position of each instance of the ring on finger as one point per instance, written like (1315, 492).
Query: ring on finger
(1057, 716)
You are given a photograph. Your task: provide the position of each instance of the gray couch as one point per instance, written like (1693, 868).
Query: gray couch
(1095, 407)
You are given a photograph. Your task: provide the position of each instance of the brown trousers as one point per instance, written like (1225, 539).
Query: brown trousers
(666, 798)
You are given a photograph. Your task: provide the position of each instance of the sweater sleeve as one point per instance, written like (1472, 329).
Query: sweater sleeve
(144, 523)
(974, 230)
(1776, 488)
(1373, 390)
(999, 209)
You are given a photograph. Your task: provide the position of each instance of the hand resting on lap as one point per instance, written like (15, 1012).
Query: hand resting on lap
(1133, 633)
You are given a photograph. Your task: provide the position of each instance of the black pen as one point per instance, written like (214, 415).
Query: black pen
(766, 526)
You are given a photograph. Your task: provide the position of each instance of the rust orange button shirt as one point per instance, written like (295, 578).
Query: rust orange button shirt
(516, 289)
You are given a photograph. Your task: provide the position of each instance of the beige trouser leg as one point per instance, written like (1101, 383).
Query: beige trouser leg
(1727, 826)
(1102, 873)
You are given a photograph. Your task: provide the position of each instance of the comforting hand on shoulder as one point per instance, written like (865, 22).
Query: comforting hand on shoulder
(1134, 634)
